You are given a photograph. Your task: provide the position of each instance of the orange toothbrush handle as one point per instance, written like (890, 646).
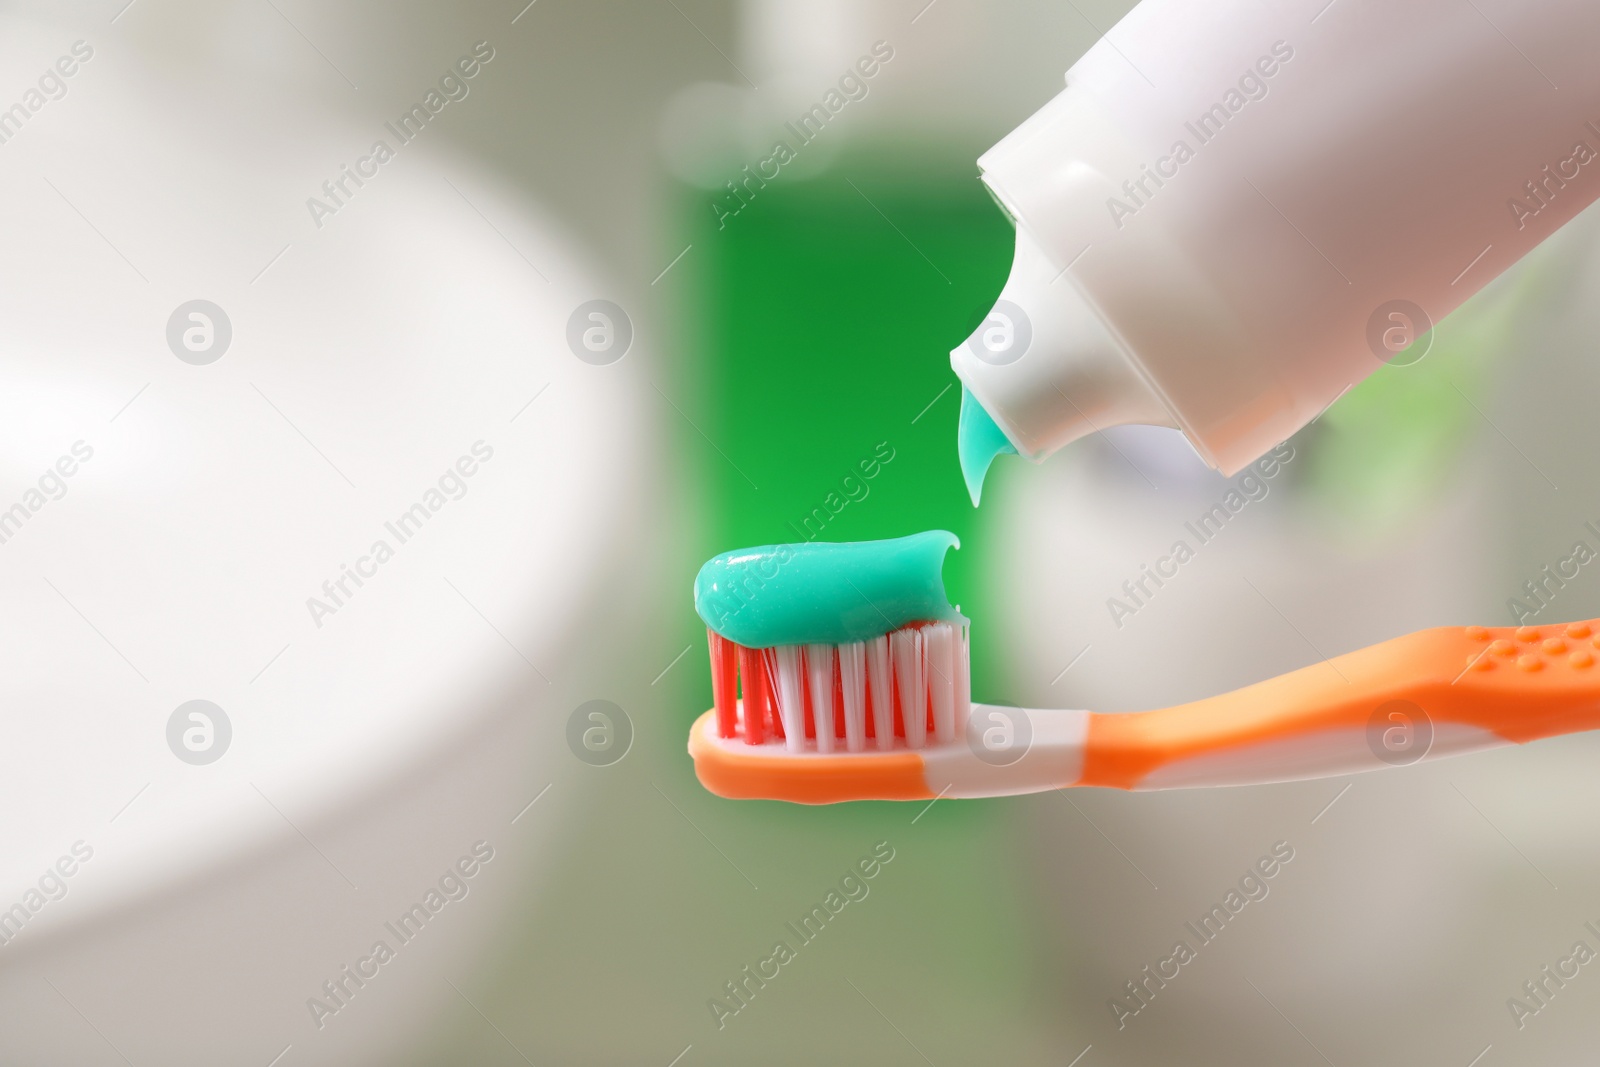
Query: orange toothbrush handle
(1431, 693)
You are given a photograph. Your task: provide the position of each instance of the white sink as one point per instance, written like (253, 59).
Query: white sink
(374, 741)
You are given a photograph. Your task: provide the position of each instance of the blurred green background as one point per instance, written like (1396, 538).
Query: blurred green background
(827, 305)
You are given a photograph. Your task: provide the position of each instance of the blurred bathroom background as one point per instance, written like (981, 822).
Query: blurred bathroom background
(785, 329)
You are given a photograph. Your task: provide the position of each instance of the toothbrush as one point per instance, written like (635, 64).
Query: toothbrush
(887, 716)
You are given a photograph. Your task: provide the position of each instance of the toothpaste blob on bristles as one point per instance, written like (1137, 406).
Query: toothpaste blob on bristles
(827, 593)
(818, 647)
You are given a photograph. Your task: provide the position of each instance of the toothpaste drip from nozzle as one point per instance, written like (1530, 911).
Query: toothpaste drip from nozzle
(979, 440)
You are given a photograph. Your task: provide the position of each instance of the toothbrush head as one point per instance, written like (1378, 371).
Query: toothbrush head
(851, 662)
(820, 723)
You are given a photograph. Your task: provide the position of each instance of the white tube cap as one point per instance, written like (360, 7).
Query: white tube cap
(1045, 366)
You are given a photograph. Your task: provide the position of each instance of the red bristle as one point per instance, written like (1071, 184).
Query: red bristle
(753, 679)
(774, 720)
(724, 677)
(899, 700)
(805, 699)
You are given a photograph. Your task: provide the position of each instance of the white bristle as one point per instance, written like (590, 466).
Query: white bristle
(853, 680)
(963, 681)
(791, 697)
(769, 661)
(819, 669)
(940, 642)
(879, 677)
(905, 646)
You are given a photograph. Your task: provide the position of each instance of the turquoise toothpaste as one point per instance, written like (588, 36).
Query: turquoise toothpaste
(825, 593)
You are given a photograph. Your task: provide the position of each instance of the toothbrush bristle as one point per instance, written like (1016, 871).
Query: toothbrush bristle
(906, 689)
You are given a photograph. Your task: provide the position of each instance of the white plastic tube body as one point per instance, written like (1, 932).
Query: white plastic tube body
(1236, 210)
